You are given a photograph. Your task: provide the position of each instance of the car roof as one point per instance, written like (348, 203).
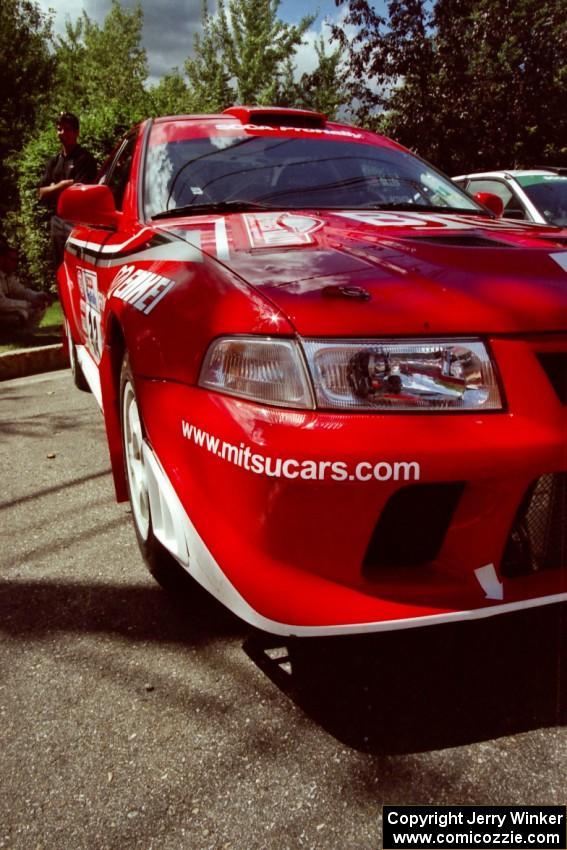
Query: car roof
(272, 120)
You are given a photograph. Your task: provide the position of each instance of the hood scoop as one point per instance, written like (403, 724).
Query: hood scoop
(463, 241)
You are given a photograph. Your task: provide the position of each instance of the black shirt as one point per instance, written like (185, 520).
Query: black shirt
(79, 165)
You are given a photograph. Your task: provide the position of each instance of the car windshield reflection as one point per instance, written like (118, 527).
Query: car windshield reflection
(292, 173)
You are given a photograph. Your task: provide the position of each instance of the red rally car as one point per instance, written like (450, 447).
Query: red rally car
(334, 386)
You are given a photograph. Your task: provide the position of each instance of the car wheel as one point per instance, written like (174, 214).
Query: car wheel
(78, 375)
(163, 567)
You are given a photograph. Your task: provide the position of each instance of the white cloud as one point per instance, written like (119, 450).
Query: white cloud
(305, 59)
(169, 26)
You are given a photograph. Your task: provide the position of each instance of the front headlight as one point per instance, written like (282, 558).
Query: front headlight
(267, 370)
(402, 375)
(362, 375)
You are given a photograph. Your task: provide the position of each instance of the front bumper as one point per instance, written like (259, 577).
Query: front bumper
(415, 526)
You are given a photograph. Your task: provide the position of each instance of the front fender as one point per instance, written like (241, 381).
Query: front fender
(109, 370)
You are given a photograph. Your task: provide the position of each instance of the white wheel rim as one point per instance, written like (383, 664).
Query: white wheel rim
(137, 477)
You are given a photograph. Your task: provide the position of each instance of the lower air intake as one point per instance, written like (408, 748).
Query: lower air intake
(412, 527)
(555, 365)
(538, 539)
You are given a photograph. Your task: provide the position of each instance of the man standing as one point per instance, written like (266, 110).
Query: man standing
(73, 164)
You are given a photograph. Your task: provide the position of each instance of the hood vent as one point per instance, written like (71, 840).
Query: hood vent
(461, 241)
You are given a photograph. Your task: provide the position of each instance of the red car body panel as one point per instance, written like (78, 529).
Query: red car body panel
(294, 546)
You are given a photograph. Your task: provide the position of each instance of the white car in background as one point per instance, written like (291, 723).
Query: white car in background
(537, 194)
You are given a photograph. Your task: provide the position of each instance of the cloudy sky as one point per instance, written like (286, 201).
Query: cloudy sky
(169, 26)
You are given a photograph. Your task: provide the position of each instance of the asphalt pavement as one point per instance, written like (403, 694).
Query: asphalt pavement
(131, 718)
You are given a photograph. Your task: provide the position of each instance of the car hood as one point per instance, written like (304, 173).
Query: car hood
(360, 272)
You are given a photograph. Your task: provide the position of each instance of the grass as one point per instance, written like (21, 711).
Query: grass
(53, 316)
(48, 332)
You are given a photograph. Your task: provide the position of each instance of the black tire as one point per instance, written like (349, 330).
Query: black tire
(78, 375)
(161, 564)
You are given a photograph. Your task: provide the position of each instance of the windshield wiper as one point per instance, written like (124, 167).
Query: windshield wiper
(407, 206)
(212, 207)
(255, 206)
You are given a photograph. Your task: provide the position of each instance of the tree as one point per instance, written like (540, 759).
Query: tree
(209, 83)
(26, 74)
(256, 43)
(525, 69)
(114, 65)
(369, 62)
(171, 95)
(242, 54)
(467, 83)
(323, 88)
(70, 53)
(100, 76)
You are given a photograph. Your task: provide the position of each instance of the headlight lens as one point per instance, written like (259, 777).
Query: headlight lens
(270, 371)
(363, 375)
(403, 375)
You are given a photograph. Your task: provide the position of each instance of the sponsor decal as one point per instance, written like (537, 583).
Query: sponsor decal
(156, 247)
(140, 288)
(246, 457)
(560, 259)
(88, 286)
(267, 230)
(92, 303)
(221, 240)
(317, 131)
(488, 579)
(424, 219)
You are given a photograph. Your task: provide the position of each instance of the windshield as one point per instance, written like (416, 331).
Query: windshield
(292, 173)
(549, 195)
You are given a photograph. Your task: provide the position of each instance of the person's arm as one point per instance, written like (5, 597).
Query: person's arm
(50, 189)
(51, 192)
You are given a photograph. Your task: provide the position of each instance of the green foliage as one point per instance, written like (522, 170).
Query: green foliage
(70, 56)
(101, 72)
(100, 76)
(26, 73)
(27, 227)
(255, 44)
(53, 317)
(243, 55)
(107, 63)
(170, 96)
(467, 83)
(322, 89)
(210, 90)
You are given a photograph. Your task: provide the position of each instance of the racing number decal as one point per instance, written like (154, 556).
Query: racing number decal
(92, 322)
(90, 310)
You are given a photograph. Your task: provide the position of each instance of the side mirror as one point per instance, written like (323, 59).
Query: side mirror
(491, 202)
(89, 205)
